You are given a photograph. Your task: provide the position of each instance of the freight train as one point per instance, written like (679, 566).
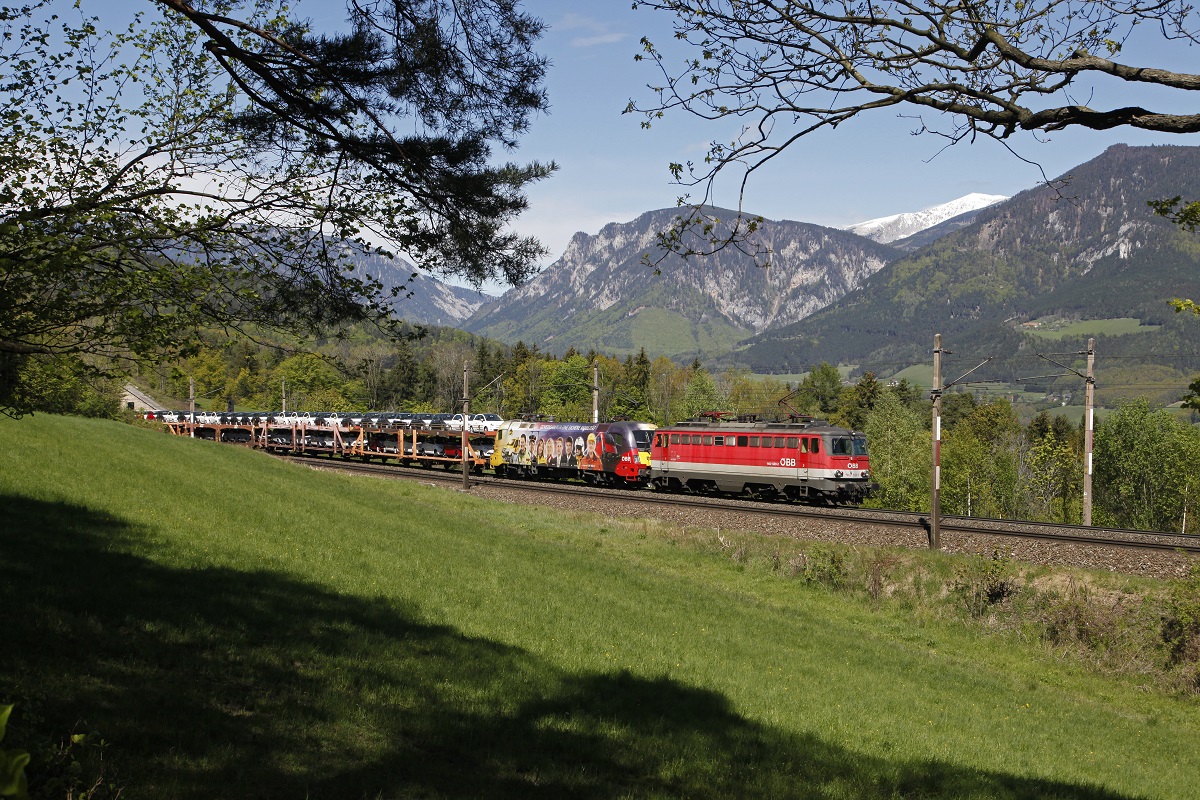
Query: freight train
(806, 460)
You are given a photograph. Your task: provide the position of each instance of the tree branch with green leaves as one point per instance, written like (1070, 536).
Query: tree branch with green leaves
(221, 164)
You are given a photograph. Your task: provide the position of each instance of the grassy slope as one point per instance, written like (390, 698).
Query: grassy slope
(237, 627)
(1096, 327)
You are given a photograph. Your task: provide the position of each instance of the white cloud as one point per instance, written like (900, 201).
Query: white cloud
(603, 38)
(600, 32)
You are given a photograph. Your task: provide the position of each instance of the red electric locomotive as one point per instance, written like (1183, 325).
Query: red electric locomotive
(809, 461)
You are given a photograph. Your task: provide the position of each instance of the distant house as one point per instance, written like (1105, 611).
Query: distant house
(135, 399)
(1031, 324)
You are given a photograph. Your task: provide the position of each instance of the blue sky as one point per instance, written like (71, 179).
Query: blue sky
(611, 170)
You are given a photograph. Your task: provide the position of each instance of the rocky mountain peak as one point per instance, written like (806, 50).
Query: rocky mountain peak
(899, 226)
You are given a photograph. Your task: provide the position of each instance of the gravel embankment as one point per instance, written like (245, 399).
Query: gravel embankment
(1126, 560)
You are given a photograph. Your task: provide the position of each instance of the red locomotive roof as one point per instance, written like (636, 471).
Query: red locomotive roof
(716, 425)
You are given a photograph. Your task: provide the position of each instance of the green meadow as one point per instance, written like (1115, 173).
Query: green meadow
(1117, 326)
(210, 622)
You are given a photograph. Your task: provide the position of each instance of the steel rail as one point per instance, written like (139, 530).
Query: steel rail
(1021, 529)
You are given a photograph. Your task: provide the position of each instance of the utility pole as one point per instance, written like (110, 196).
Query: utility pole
(595, 392)
(935, 500)
(283, 391)
(1089, 426)
(466, 472)
(192, 407)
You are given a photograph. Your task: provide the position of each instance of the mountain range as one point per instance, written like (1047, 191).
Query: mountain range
(1084, 245)
(599, 294)
(420, 299)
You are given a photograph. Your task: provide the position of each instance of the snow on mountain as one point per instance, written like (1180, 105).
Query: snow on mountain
(898, 226)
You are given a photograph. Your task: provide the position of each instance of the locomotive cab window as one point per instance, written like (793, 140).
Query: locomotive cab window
(814, 445)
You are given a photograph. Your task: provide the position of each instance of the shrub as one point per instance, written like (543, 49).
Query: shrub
(1181, 620)
(12, 764)
(876, 566)
(825, 566)
(983, 582)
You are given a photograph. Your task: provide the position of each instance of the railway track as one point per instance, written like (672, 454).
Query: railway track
(915, 524)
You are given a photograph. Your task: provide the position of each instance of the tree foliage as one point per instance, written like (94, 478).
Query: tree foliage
(1147, 469)
(217, 165)
(901, 454)
(821, 388)
(1053, 468)
(980, 459)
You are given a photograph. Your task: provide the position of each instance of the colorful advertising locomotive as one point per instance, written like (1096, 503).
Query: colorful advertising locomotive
(605, 453)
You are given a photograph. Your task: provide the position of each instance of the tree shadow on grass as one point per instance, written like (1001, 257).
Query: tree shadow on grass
(227, 683)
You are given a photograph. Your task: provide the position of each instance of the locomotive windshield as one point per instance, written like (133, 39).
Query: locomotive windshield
(860, 445)
(841, 446)
(642, 439)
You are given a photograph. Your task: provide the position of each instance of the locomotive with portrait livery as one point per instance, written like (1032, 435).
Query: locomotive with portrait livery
(605, 454)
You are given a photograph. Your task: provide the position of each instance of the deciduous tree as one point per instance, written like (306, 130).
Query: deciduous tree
(1147, 468)
(900, 455)
(215, 166)
(822, 387)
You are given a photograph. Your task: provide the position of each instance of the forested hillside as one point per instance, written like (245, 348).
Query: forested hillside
(1087, 245)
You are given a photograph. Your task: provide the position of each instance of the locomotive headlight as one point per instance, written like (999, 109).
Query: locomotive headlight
(837, 473)
(866, 474)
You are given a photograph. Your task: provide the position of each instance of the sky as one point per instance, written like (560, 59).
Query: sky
(612, 170)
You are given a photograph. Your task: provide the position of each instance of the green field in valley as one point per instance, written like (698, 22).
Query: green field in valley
(237, 627)
(1093, 327)
(918, 375)
(796, 377)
